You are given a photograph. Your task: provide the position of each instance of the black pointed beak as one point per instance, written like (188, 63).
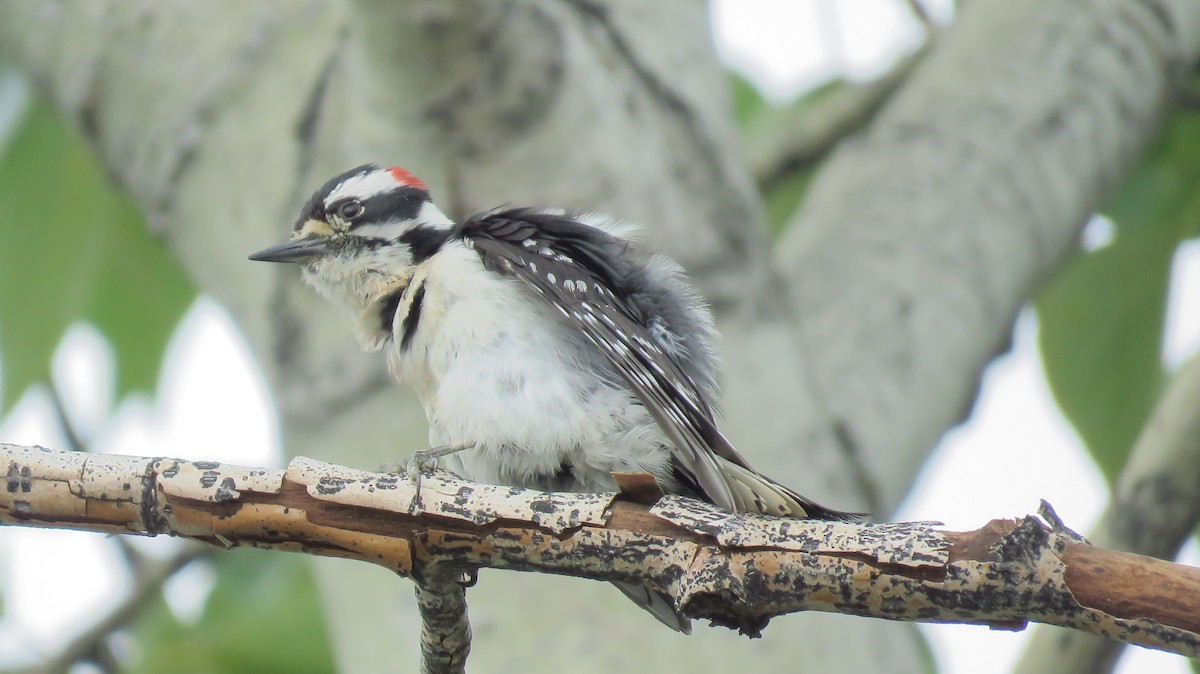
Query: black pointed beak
(292, 251)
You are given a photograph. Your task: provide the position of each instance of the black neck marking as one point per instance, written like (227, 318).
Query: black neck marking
(408, 328)
(425, 241)
(387, 311)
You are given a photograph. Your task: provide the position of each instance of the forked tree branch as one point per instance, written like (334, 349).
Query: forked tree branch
(738, 571)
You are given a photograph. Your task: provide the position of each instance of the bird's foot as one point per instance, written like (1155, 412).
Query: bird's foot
(421, 461)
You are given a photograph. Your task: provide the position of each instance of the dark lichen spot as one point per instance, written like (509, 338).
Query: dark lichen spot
(330, 485)
(228, 490)
(19, 479)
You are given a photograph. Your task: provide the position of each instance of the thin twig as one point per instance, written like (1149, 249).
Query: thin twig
(74, 438)
(803, 141)
(149, 575)
(918, 10)
(146, 587)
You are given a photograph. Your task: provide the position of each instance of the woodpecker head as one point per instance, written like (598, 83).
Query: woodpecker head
(362, 231)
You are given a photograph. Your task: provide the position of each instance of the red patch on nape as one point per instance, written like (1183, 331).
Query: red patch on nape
(404, 177)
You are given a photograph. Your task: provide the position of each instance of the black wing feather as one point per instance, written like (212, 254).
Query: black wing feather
(588, 275)
(573, 265)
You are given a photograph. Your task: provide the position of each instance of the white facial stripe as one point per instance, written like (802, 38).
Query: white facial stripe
(363, 186)
(429, 216)
(383, 230)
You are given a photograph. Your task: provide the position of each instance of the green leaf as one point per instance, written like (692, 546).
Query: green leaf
(264, 615)
(1102, 316)
(1101, 329)
(747, 101)
(763, 128)
(71, 249)
(784, 197)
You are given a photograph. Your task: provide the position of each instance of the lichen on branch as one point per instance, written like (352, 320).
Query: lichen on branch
(736, 570)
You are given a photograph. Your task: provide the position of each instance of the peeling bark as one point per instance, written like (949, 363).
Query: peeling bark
(901, 275)
(738, 571)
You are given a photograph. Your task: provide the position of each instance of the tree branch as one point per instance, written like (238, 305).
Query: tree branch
(1155, 507)
(738, 571)
(445, 631)
(941, 219)
(798, 138)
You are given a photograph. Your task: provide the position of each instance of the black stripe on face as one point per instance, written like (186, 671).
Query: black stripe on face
(424, 241)
(401, 203)
(408, 328)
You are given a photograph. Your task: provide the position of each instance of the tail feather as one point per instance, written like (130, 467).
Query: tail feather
(657, 605)
(752, 492)
(756, 493)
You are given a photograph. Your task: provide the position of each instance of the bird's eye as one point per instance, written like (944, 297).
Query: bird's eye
(350, 210)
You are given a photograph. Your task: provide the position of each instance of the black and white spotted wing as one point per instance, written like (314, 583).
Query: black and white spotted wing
(581, 271)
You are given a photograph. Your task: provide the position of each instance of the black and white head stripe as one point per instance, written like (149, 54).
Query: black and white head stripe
(314, 208)
(367, 197)
(581, 272)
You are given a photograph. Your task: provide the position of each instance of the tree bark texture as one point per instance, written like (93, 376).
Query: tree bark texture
(738, 571)
(901, 274)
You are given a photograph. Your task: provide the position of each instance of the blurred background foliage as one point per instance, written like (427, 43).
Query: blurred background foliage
(1102, 314)
(262, 616)
(74, 248)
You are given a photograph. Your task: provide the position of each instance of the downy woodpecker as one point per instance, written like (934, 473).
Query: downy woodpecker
(550, 346)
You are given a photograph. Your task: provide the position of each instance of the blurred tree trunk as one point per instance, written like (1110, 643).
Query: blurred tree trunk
(849, 349)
